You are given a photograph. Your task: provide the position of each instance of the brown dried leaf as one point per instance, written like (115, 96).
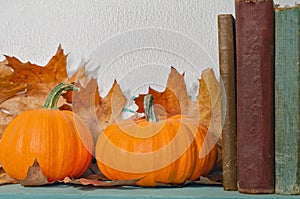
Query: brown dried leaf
(100, 183)
(111, 107)
(205, 181)
(35, 176)
(86, 104)
(99, 176)
(6, 179)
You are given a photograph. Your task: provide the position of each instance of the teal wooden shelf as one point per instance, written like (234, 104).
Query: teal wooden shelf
(70, 191)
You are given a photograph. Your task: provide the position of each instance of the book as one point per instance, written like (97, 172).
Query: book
(287, 100)
(255, 95)
(226, 41)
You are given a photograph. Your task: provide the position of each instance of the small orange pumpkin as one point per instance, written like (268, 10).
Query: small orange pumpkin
(59, 140)
(164, 151)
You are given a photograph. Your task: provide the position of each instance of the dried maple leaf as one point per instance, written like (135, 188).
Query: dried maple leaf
(35, 176)
(6, 179)
(39, 78)
(111, 107)
(203, 180)
(86, 103)
(38, 82)
(174, 100)
(101, 183)
(99, 176)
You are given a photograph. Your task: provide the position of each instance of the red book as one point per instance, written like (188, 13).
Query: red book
(255, 95)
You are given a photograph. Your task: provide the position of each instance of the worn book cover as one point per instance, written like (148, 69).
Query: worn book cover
(226, 39)
(287, 99)
(255, 95)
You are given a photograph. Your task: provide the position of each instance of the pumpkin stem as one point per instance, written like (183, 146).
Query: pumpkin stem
(52, 99)
(149, 108)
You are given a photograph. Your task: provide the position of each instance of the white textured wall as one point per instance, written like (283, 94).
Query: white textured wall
(131, 40)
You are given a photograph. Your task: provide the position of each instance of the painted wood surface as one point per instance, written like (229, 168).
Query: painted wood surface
(74, 192)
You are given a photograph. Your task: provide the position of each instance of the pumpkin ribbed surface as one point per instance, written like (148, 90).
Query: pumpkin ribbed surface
(59, 140)
(157, 152)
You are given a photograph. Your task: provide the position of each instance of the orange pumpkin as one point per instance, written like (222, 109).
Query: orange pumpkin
(164, 151)
(59, 140)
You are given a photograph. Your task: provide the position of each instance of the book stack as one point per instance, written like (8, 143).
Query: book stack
(259, 63)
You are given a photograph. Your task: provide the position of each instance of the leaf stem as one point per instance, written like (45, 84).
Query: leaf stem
(52, 99)
(149, 108)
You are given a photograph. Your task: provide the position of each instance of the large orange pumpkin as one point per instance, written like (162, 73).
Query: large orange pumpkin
(164, 151)
(59, 140)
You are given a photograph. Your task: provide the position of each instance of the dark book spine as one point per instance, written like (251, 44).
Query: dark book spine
(287, 100)
(255, 95)
(226, 38)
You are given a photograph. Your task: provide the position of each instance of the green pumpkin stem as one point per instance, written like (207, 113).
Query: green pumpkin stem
(52, 99)
(149, 108)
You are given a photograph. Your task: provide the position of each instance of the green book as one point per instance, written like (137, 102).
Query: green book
(287, 100)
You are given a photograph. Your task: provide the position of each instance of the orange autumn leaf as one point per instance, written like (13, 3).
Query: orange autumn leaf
(37, 77)
(166, 103)
(35, 81)
(173, 100)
